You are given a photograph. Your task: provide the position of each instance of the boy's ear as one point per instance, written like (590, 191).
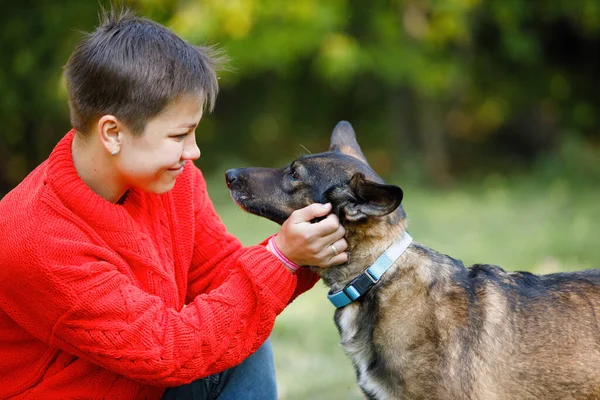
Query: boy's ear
(108, 127)
(362, 199)
(343, 140)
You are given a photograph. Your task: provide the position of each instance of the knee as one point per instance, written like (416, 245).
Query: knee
(264, 366)
(253, 379)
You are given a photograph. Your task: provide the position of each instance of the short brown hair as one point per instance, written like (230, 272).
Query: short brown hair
(132, 68)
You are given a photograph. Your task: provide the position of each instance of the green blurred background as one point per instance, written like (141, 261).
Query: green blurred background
(485, 112)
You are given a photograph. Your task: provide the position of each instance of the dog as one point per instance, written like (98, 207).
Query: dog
(419, 324)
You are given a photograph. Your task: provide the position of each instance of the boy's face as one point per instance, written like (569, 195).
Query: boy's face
(152, 161)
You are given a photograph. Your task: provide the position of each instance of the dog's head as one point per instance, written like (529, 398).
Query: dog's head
(340, 176)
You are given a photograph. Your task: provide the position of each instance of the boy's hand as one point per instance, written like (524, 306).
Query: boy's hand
(313, 244)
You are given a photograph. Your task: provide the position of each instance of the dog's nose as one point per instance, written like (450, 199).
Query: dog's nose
(230, 177)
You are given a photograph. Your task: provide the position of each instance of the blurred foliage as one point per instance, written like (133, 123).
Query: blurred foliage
(456, 86)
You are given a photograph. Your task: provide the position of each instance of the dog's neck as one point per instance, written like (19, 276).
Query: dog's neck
(366, 242)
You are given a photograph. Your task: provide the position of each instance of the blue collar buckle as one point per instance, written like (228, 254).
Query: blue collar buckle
(360, 285)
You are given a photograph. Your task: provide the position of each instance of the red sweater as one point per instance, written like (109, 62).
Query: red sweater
(92, 293)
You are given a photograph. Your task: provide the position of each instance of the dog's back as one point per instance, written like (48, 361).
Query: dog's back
(440, 330)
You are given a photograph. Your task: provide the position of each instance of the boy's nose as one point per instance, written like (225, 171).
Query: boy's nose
(192, 152)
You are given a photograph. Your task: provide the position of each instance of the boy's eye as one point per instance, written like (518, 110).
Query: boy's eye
(179, 138)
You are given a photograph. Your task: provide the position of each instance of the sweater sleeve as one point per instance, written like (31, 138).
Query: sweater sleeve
(215, 252)
(306, 278)
(81, 303)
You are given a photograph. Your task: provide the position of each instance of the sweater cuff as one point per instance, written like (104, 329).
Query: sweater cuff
(272, 247)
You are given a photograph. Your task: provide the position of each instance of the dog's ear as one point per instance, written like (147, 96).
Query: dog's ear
(362, 199)
(343, 140)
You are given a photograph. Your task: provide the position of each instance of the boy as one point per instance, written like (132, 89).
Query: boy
(117, 278)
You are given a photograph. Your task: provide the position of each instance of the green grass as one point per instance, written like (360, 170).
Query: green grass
(526, 223)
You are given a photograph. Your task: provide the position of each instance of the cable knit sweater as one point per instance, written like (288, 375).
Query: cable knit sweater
(107, 301)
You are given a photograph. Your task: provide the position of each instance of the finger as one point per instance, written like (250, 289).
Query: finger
(337, 260)
(340, 246)
(310, 212)
(333, 237)
(327, 226)
(333, 249)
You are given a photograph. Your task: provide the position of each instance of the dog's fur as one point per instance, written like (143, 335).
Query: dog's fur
(432, 328)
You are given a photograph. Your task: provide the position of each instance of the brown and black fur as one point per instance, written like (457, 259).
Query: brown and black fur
(433, 328)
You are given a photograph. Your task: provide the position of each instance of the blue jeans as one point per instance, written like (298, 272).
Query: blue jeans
(253, 379)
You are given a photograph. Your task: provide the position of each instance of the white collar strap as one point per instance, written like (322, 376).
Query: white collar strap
(360, 285)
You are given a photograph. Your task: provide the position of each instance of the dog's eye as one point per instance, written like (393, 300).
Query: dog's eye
(294, 175)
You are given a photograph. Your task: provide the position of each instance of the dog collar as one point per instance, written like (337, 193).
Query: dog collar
(360, 285)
